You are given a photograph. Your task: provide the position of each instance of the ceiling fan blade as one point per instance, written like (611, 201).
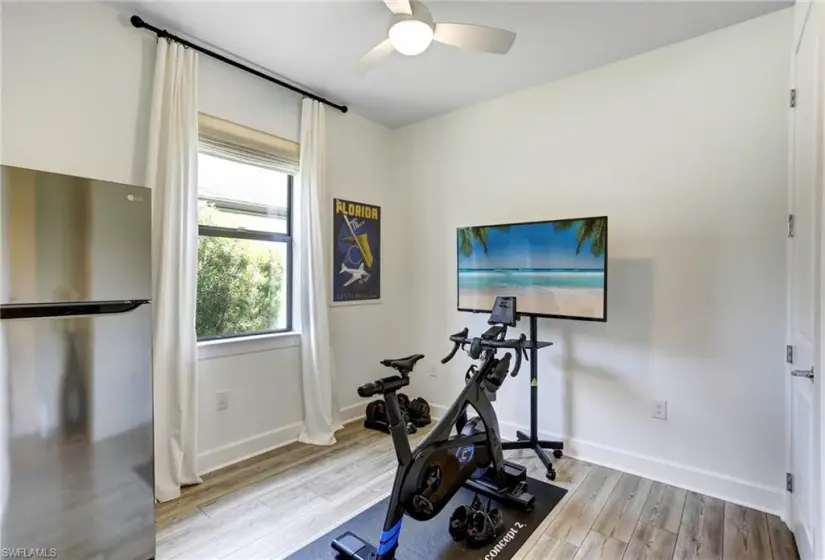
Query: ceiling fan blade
(374, 56)
(474, 37)
(399, 6)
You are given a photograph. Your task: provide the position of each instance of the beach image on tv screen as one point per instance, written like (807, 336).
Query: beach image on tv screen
(553, 268)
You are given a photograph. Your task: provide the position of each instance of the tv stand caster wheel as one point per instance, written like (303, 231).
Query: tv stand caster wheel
(557, 453)
(551, 475)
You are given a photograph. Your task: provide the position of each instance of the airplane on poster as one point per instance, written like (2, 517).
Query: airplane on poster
(356, 274)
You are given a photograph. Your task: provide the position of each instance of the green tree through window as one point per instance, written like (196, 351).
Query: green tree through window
(240, 287)
(243, 249)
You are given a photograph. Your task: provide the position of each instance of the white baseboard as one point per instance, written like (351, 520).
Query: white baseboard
(716, 485)
(353, 412)
(240, 450)
(437, 410)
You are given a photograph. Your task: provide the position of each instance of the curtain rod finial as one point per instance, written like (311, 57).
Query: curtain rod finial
(344, 109)
(137, 22)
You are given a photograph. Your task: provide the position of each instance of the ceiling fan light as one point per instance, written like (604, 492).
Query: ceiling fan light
(411, 36)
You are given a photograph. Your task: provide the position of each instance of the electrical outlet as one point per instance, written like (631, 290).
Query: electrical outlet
(222, 400)
(660, 410)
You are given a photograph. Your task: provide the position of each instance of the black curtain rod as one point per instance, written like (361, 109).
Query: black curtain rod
(139, 23)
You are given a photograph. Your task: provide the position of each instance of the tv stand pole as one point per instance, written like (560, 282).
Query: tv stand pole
(531, 440)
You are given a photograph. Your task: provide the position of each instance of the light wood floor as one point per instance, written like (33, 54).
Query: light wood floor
(273, 504)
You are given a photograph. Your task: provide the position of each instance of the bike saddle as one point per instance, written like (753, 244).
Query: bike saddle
(404, 365)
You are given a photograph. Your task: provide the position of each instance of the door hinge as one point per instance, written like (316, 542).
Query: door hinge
(789, 482)
(792, 102)
(791, 225)
(789, 354)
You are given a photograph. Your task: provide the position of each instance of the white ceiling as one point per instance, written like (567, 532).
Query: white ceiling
(315, 43)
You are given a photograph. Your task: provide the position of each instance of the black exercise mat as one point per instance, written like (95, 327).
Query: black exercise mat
(430, 540)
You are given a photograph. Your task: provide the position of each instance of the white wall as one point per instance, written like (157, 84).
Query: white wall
(684, 148)
(360, 169)
(77, 81)
(76, 87)
(265, 410)
(76, 96)
(233, 95)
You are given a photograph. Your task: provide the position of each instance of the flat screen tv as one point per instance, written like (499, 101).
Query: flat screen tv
(554, 268)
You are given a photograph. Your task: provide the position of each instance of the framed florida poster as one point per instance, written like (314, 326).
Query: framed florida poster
(356, 255)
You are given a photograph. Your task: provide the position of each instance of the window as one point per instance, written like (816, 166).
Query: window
(244, 242)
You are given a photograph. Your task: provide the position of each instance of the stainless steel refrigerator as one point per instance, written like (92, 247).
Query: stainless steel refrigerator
(75, 322)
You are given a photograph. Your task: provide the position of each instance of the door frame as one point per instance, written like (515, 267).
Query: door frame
(816, 11)
(803, 12)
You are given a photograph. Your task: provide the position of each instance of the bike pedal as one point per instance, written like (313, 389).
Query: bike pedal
(422, 505)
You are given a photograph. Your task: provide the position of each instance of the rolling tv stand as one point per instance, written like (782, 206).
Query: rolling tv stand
(531, 440)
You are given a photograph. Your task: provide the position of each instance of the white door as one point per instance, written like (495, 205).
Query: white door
(804, 284)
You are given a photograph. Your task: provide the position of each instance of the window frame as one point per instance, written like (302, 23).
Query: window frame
(257, 235)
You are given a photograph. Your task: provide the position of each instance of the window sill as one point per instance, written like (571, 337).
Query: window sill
(219, 348)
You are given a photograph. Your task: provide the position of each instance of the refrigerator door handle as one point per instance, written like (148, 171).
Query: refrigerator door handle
(67, 309)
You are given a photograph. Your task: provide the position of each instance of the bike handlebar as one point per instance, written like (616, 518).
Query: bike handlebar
(519, 351)
(459, 339)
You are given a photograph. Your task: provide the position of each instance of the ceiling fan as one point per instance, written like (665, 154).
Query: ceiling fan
(412, 30)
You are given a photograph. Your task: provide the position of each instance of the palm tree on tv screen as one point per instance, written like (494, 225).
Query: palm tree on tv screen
(590, 229)
(468, 235)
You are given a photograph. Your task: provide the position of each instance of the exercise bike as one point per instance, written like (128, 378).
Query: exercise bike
(428, 477)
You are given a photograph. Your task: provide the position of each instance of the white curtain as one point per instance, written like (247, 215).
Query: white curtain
(321, 419)
(172, 174)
